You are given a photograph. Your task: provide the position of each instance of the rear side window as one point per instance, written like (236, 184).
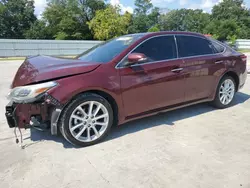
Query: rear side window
(193, 46)
(158, 48)
(218, 48)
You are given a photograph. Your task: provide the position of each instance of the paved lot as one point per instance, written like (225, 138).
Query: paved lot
(192, 147)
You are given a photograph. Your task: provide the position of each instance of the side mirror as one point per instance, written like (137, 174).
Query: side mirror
(135, 58)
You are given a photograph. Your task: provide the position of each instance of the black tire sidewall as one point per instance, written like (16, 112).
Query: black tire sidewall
(217, 103)
(64, 128)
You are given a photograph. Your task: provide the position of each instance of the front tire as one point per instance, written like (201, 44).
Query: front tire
(225, 92)
(86, 120)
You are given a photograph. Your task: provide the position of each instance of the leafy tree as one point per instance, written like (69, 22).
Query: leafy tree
(61, 35)
(16, 16)
(88, 19)
(89, 7)
(38, 30)
(143, 7)
(223, 29)
(184, 20)
(230, 9)
(230, 19)
(145, 16)
(109, 23)
(155, 28)
(60, 19)
(67, 19)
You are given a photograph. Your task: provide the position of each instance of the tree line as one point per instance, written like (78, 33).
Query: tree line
(97, 19)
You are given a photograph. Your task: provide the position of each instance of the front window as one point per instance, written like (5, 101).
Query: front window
(107, 51)
(158, 48)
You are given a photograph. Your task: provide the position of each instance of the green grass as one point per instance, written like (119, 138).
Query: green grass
(244, 51)
(11, 58)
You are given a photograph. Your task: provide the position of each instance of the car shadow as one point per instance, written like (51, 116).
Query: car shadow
(39, 136)
(167, 118)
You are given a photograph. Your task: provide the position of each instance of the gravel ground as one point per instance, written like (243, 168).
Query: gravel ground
(193, 147)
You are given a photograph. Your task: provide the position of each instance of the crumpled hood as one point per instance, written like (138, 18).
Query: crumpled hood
(42, 68)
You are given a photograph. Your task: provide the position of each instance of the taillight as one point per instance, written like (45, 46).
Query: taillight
(244, 58)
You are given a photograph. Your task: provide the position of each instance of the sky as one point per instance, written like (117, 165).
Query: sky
(128, 5)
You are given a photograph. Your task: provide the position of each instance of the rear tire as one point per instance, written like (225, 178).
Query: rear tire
(86, 120)
(225, 92)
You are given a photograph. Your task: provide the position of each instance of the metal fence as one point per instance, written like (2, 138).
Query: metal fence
(15, 48)
(243, 44)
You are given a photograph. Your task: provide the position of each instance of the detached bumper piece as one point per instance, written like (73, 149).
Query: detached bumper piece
(36, 123)
(10, 115)
(54, 120)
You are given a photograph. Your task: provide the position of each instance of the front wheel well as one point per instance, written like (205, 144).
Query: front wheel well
(235, 77)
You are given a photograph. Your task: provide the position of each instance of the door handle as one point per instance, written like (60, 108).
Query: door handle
(177, 70)
(219, 62)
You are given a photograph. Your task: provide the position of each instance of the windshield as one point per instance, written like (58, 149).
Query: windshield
(107, 51)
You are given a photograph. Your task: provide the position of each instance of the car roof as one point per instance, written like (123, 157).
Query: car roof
(149, 34)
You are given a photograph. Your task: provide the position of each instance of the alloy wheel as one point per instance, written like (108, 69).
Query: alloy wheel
(227, 90)
(88, 121)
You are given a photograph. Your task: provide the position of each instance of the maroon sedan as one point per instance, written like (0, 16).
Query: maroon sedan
(126, 78)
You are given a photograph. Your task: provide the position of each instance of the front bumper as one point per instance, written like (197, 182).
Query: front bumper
(44, 113)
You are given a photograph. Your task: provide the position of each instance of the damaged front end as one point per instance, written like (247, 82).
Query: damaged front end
(33, 107)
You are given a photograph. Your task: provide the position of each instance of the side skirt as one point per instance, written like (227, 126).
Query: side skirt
(166, 109)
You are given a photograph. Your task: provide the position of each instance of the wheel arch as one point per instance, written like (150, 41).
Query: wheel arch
(215, 102)
(105, 95)
(111, 101)
(231, 73)
(234, 76)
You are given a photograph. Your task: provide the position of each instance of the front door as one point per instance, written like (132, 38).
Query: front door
(156, 83)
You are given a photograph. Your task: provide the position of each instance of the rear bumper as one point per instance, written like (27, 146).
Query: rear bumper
(242, 79)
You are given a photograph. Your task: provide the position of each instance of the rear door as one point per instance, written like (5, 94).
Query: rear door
(155, 83)
(202, 66)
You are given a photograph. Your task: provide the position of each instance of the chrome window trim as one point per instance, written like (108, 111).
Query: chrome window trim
(176, 47)
(177, 58)
(151, 62)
